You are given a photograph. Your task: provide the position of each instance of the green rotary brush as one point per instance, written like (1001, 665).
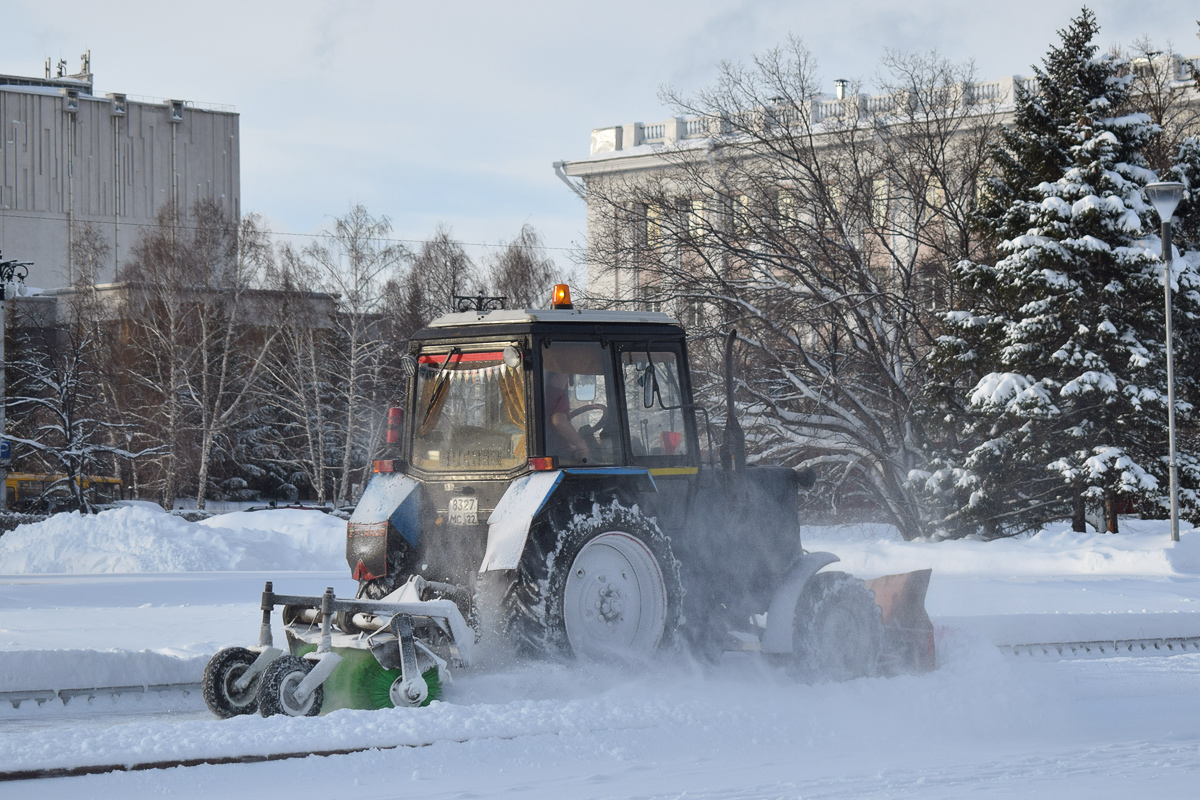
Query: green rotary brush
(360, 682)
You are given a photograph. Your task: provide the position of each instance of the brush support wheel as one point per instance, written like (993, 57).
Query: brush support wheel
(276, 694)
(220, 683)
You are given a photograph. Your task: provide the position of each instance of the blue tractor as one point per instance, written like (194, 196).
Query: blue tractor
(552, 480)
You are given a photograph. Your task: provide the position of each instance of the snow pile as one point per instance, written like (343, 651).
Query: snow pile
(144, 538)
(1143, 548)
(307, 532)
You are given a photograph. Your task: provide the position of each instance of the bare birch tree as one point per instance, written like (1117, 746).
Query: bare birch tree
(59, 393)
(298, 372)
(824, 231)
(196, 346)
(354, 263)
(521, 272)
(156, 281)
(230, 348)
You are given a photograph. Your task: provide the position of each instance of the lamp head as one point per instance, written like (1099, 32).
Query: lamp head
(1164, 196)
(561, 297)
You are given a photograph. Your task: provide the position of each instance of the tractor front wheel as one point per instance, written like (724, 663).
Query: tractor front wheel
(838, 630)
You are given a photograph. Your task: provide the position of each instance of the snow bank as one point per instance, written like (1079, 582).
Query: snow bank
(1143, 548)
(143, 538)
(26, 670)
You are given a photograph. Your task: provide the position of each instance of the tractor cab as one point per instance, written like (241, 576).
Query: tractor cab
(521, 423)
(544, 389)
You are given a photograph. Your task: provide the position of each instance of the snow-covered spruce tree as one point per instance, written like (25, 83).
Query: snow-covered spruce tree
(1185, 231)
(1058, 355)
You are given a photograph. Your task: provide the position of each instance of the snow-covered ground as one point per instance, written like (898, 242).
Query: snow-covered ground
(135, 596)
(1052, 587)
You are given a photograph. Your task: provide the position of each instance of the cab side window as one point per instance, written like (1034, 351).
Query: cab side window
(653, 396)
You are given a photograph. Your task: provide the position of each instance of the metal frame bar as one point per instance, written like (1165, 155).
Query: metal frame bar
(1108, 648)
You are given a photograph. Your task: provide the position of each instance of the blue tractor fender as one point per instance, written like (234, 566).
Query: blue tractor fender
(390, 503)
(527, 496)
(390, 497)
(781, 615)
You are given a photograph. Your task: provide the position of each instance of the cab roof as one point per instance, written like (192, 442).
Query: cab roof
(531, 315)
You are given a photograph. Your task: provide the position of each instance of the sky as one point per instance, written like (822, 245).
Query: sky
(454, 112)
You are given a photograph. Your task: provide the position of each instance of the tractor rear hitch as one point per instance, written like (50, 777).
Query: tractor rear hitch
(411, 689)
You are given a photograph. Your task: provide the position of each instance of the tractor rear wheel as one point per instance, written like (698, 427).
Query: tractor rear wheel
(598, 585)
(838, 630)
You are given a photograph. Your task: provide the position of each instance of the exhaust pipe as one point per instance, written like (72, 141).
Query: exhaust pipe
(733, 440)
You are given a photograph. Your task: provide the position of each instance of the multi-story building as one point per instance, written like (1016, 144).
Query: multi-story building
(70, 159)
(623, 158)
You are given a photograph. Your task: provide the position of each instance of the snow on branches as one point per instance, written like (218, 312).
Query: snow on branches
(1064, 397)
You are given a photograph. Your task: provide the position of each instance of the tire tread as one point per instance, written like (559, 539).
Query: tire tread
(826, 591)
(271, 684)
(533, 602)
(212, 684)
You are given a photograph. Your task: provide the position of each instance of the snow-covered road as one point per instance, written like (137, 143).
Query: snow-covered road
(980, 725)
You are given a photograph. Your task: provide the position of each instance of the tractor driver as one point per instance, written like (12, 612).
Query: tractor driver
(562, 440)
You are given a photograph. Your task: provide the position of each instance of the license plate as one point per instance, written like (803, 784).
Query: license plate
(464, 511)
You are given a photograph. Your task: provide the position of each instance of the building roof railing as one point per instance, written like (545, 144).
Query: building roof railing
(224, 108)
(1000, 93)
(85, 88)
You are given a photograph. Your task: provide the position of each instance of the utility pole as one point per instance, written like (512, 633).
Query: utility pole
(12, 279)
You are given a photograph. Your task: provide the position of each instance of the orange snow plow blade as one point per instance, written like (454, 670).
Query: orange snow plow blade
(907, 629)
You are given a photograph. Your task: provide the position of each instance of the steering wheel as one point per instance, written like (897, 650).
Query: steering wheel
(587, 430)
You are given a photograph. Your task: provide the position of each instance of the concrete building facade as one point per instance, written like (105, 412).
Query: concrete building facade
(70, 159)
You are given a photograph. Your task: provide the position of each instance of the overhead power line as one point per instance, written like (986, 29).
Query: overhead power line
(186, 227)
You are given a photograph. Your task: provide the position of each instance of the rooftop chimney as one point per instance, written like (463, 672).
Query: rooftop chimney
(840, 88)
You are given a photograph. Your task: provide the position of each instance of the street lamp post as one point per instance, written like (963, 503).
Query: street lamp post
(12, 279)
(1165, 197)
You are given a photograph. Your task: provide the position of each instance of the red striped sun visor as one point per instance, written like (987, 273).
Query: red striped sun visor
(462, 358)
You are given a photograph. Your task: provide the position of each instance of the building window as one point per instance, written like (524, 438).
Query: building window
(742, 223)
(653, 222)
(880, 202)
(695, 218)
(935, 194)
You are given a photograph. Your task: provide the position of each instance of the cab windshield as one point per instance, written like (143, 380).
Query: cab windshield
(469, 413)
